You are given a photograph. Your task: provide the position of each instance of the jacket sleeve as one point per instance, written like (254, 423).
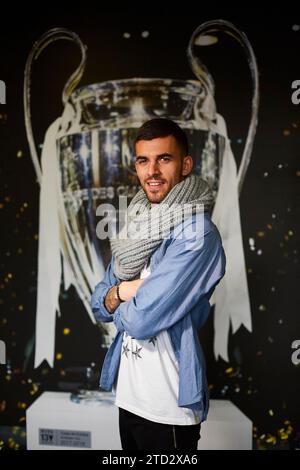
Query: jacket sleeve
(101, 314)
(186, 276)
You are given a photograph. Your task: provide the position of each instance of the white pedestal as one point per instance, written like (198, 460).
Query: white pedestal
(96, 424)
(226, 428)
(55, 422)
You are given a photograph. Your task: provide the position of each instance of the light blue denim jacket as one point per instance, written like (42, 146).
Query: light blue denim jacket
(185, 268)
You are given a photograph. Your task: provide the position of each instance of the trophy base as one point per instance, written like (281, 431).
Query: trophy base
(91, 397)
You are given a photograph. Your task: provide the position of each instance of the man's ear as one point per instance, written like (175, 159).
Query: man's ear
(187, 165)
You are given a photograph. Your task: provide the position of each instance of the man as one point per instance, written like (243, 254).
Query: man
(156, 290)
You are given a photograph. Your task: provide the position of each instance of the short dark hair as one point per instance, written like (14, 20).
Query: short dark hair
(162, 127)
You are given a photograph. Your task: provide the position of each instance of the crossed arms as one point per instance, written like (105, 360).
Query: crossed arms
(127, 290)
(184, 278)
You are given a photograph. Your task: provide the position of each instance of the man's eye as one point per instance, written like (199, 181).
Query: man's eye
(165, 158)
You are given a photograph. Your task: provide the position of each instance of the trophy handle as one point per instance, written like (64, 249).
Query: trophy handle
(206, 79)
(46, 39)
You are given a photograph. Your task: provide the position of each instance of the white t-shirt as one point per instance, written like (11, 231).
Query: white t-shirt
(148, 380)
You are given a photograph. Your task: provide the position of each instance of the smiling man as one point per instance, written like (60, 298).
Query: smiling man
(157, 291)
(161, 163)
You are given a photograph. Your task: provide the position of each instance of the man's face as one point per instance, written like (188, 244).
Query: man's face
(160, 165)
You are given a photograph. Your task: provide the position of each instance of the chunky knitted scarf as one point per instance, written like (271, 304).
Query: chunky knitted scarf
(146, 224)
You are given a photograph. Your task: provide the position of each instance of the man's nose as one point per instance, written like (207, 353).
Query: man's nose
(153, 168)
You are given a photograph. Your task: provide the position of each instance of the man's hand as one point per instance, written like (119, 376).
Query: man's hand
(127, 290)
(111, 301)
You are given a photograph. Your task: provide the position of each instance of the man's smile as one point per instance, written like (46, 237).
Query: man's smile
(155, 185)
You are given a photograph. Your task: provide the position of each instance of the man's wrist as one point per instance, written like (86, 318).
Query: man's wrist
(118, 293)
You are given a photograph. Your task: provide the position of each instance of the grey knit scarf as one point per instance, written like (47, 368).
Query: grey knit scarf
(147, 224)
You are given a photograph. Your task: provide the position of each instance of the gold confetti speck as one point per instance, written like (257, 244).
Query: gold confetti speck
(66, 331)
(2, 406)
(22, 405)
(58, 356)
(34, 390)
(271, 440)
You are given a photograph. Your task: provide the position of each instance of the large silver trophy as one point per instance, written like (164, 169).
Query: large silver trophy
(87, 160)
